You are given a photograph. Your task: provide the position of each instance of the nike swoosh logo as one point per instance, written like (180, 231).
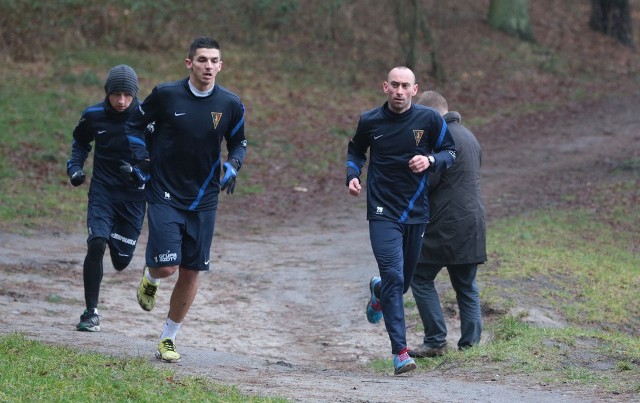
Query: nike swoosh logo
(179, 114)
(101, 131)
(122, 254)
(378, 136)
(206, 262)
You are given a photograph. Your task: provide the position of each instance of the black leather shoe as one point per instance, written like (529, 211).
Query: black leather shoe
(424, 351)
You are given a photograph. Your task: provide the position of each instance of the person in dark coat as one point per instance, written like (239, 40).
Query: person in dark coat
(455, 238)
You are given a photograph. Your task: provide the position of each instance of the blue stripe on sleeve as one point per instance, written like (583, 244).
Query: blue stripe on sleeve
(94, 109)
(441, 136)
(136, 140)
(240, 123)
(351, 164)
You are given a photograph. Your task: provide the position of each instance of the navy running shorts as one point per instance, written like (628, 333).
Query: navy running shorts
(179, 237)
(118, 221)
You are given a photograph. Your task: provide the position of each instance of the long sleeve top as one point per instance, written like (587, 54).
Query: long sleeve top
(186, 143)
(394, 192)
(104, 126)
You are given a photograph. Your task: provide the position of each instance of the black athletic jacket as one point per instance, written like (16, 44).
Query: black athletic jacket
(186, 144)
(394, 192)
(104, 125)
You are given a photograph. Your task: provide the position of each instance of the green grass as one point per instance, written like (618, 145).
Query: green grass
(561, 356)
(32, 371)
(583, 260)
(555, 355)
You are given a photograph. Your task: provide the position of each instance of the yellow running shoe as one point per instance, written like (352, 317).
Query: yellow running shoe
(167, 351)
(147, 292)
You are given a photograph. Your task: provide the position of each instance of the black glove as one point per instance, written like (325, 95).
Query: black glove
(77, 176)
(230, 169)
(137, 174)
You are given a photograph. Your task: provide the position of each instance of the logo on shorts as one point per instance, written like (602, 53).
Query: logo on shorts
(123, 239)
(166, 257)
(379, 210)
(167, 196)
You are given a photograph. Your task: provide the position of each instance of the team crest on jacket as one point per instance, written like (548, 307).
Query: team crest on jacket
(216, 118)
(418, 135)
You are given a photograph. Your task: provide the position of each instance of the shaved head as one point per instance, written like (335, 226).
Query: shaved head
(400, 87)
(403, 72)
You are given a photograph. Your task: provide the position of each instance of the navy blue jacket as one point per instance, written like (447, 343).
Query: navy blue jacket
(185, 146)
(394, 192)
(104, 125)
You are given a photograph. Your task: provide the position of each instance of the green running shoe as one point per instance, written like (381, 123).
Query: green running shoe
(167, 351)
(147, 292)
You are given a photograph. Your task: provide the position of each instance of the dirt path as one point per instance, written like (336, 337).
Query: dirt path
(291, 326)
(282, 311)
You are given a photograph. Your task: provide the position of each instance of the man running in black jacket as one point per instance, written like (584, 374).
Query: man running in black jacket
(116, 205)
(191, 117)
(406, 143)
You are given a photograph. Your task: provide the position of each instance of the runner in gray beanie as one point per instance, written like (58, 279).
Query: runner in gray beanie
(116, 207)
(122, 78)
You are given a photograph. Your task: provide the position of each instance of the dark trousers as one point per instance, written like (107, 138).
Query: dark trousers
(463, 280)
(396, 248)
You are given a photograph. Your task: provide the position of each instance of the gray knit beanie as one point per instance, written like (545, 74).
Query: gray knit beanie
(122, 78)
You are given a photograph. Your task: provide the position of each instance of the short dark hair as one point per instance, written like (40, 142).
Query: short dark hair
(202, 42)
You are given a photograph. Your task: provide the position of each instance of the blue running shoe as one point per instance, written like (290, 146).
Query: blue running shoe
(374, 309)
(403, 363)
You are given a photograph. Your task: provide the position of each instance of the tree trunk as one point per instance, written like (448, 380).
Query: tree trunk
(437, 68)
(613, 18)
(407, 17)
(413, 34)
(512, 17)
(411, 21)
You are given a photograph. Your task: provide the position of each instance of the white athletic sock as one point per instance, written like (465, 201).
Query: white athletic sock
(153, 280)
(170, 330)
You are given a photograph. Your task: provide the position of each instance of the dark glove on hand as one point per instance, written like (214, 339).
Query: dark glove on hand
(136, 173)
(77, 177)
(228, 182)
